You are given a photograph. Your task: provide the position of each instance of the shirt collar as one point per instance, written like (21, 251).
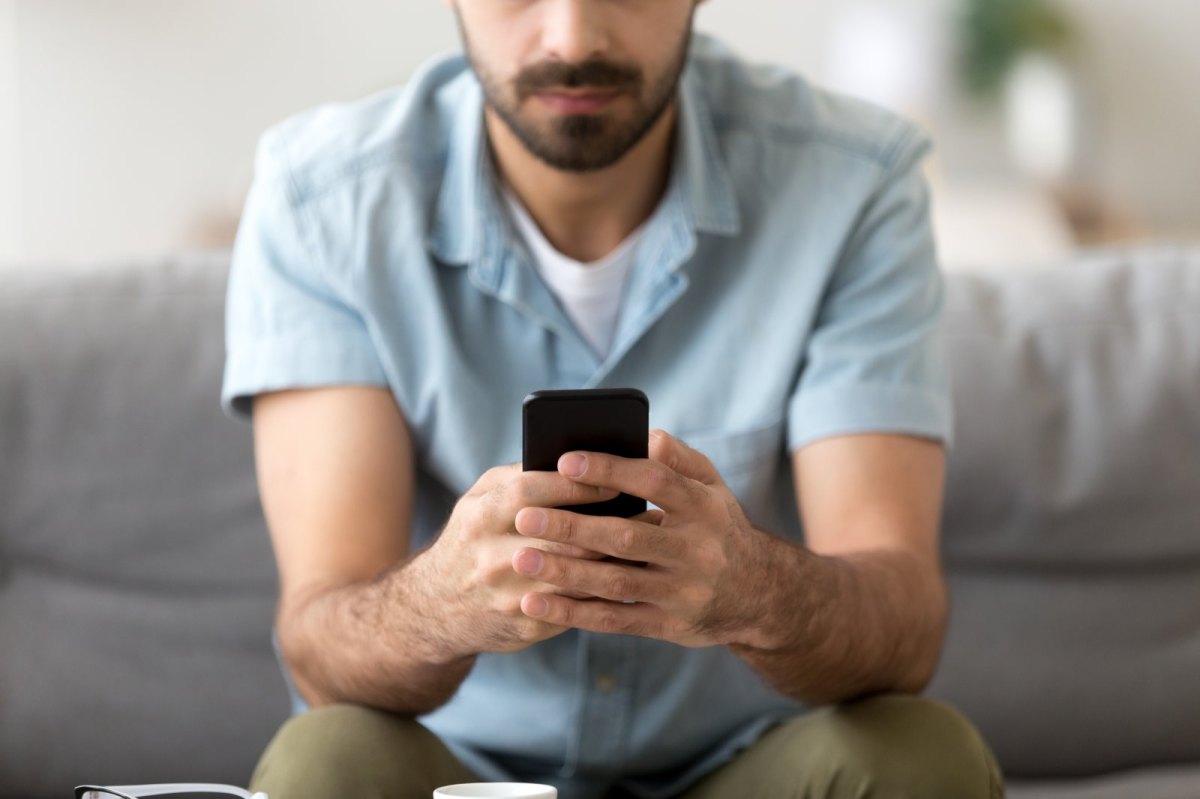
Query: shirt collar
(466, 224)
(700, 164)
(456, 236)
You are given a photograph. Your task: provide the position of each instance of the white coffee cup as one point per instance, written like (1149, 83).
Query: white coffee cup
(506, 790)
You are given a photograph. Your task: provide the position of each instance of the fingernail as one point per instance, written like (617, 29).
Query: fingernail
(572, 464)
(529, 562)
(536, 606)
(535, 521)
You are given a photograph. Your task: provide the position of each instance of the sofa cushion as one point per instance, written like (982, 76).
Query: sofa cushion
(1072, 519)
(136, 580)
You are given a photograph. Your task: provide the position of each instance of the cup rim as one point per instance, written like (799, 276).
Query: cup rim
(532, 790)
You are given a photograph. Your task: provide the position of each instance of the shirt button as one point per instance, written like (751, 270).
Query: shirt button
(606, 682)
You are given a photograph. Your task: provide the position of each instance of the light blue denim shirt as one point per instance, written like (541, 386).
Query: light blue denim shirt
(785, 290)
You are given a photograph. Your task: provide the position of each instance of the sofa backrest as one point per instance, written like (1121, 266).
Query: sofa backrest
(1072, 519)
(136, 581)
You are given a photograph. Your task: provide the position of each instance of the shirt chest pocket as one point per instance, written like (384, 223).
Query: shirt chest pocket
(748, 460)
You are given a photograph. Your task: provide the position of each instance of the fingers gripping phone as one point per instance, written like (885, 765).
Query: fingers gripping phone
(612, 420)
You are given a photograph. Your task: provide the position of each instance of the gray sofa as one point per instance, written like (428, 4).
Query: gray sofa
(136, 580)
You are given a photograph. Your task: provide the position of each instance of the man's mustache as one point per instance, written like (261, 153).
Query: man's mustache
(593, 74)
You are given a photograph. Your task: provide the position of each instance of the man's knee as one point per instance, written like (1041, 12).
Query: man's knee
(894, 746)
(901, 746)
(348, 750)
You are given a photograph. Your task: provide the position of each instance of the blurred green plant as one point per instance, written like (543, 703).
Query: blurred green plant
(996, 32)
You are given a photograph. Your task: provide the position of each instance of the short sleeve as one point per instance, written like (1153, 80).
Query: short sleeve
(874, 361)
(287, 323)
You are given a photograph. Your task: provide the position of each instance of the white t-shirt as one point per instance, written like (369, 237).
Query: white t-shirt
(589, 292)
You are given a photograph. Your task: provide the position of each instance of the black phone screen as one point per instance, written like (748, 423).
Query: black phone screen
(612, 420)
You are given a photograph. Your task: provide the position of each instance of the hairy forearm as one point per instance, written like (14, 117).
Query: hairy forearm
(376, 643)
(833, 628)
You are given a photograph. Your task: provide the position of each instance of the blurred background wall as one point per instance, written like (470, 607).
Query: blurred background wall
(10, 162)
(127, 127)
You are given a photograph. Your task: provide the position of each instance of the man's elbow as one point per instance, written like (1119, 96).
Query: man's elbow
(921, 665)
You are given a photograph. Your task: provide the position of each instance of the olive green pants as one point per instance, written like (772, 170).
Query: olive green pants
(886, 746)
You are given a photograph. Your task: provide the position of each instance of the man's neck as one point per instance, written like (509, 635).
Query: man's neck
(585, 215)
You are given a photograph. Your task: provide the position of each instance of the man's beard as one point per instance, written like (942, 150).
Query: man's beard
(581, 142)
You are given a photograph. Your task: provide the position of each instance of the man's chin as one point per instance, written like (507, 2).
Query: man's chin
(572, 142)
(573, 150)
(579, 161)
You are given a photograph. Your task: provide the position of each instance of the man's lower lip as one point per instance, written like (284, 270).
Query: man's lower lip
(577, 104)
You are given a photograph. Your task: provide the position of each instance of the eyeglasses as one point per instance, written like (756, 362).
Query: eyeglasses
(138, 791)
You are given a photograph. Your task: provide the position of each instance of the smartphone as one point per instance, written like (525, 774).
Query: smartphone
(612, 420)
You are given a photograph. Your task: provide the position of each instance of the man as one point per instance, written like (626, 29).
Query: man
(598, 197)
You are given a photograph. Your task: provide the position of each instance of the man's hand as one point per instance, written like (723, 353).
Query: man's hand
(468, 569)
(701, 555)
(863, 613)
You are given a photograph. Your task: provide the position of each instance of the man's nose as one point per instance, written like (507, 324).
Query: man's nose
(573, 30)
